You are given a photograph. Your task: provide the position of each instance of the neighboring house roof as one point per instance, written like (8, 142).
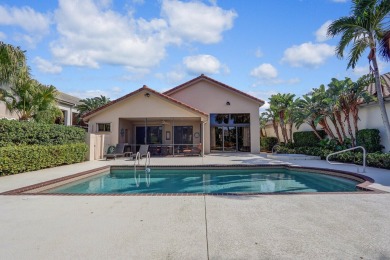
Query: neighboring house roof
(68, 99)
(385, 86)
(203, 77)
(144, 88)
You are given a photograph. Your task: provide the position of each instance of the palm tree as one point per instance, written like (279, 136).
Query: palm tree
(280, 103)
(12, 63)
(90, 104)
(307, 112)
(365, 29)
(263, 119)
(335, 90)
(271, 115)
(31, 100)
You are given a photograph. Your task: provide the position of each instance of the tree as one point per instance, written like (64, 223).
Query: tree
(31, 100)
(307, 112)
(12, 63)
(271, 115)
(280, 104)
(365, 29)
(263, 119)
(90, 104)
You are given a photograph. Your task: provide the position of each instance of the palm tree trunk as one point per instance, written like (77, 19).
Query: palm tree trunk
(276, 129)
(334, 122)
(381, 102)
(349, 128)
(325, 126)
(341, 123)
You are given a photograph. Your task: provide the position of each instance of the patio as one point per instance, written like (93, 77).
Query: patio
(310, 226)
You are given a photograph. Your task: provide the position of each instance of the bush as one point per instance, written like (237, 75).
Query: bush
(369, 139)
(307, 138)
(378, 160)
(23, 158)
(266, 143)
(29, 133)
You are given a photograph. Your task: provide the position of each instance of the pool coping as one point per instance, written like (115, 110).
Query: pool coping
(37, 189)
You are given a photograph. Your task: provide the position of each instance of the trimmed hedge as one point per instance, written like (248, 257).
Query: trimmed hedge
(13, 132)
(378, 160)
(307, 138)
(369, 139)
(23, 158)
(266, 143)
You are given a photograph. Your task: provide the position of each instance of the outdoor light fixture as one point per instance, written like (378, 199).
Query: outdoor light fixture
(228, 103)
(147, 95)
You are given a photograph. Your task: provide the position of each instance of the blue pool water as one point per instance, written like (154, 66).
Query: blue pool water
(207, 181)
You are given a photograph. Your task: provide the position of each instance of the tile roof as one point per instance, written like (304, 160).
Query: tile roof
(203, 77)
(68, 98)
(88, 115)
(385, 86)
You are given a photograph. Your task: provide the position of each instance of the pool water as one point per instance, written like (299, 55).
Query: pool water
(207, 181)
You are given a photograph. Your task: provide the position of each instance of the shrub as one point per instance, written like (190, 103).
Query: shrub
(369, 139)
(23, 158)
(23, 133)
(307, 138)
(266, 143)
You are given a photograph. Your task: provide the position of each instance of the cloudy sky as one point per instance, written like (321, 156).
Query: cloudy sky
(88, 48)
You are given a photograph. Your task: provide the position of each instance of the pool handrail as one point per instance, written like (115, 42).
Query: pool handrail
(349, 149)
(273, 147)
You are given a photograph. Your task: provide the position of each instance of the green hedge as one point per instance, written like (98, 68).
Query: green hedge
(378, 160)
(13, 132)
(307, 138)
(266, 143)
(23, 158)
(369, 139)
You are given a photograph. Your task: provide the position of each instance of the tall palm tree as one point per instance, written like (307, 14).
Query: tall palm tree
(365, 29)
(263, 119)
(272, 116)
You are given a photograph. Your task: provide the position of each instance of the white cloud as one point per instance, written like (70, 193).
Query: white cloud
(112, 93)
(199, 64)
(26, 18)
(95, 35)
(259, 53)
(321, 33)
(35, 24)
(264, 71)
(46, 66)
(196, 21)
(308, 54)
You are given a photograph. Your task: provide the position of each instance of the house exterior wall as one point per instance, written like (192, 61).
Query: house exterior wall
(137, 107)
(4, 112)
(370, 118)
(212, 98)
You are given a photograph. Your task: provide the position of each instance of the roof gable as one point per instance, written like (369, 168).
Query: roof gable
(146, 89)
(208, 79)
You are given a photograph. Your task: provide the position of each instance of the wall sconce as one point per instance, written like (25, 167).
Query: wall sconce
(147, 95)
(228, 103)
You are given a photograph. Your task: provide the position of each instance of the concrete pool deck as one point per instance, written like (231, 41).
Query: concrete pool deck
(308, 226)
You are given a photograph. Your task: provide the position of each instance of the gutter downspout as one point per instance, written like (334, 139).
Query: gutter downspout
(203, 123)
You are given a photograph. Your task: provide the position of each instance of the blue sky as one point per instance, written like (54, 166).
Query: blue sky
(88, 48)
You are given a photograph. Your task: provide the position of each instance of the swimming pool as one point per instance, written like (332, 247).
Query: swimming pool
(209, 180)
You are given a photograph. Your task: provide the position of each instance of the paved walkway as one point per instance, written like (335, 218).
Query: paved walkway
(309, 226)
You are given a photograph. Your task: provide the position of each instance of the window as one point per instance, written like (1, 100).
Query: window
(183, 134)
(105, 127)
(229, 119)
(153, 134)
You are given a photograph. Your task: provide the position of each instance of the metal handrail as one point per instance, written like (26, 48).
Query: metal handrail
(274, 148)
(147, 160)
(137, 182)
(346, 150)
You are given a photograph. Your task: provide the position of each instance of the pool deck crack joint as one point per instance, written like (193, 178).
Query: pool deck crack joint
(205, 218)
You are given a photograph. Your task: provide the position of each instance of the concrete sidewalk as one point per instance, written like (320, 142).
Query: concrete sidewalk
(308, 226)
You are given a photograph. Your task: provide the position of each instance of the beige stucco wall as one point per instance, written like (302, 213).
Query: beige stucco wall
(124, 114)
(212, 98)
(370, 118)
(4, 112)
